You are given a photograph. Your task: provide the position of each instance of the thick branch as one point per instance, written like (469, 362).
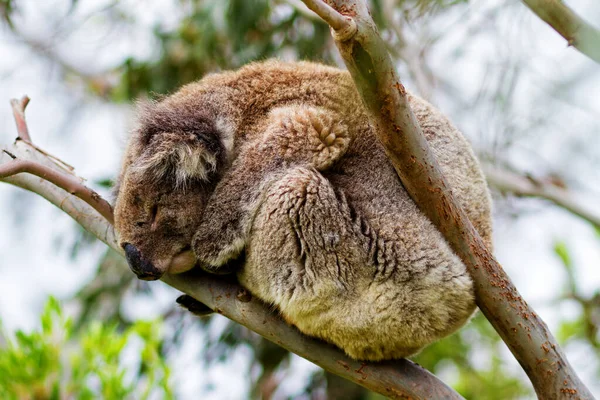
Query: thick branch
(400, 379)
(569, 25)
(385, 99)
(509, 182)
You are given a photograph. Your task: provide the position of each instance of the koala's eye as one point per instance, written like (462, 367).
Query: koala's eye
(208, 140)
(137, 201)
(153, 213)
(150, 217)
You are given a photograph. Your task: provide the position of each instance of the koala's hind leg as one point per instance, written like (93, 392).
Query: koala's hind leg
(305, 135)
(303, 251)
(295, 135)
(193, 305)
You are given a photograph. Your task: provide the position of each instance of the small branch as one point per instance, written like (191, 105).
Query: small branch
(398, 130)
(83, 213)
(578, 33)
(509, 182)
(335, 19)
(302, 9)
(68, 183)
(18, 108)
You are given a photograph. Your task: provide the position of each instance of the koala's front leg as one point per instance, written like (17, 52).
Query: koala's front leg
(296, 135)
(193, 305)
(226, 221)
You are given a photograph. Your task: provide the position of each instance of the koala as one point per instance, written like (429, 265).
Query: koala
(272, 172)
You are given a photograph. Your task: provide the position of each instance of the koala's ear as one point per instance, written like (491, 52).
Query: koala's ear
(180, 156)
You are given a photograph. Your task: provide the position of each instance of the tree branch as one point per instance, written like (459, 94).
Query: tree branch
(18, 108)
(66, 182)
(302, 9)
(400, 379)
(336, 20)
(386, 101)
(578, 33)
(509, 182)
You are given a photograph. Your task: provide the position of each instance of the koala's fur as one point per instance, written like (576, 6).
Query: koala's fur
(276, 164)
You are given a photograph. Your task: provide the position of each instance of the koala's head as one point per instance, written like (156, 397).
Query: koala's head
(171, 166)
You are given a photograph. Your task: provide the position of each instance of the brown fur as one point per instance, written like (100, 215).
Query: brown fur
(300, 184)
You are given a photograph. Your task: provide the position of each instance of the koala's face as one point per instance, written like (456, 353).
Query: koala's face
(168, 174)
(156, 224)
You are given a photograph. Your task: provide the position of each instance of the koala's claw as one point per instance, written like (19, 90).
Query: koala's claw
(229, 267)
(193, 305)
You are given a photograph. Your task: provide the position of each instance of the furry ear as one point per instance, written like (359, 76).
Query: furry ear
(181, 156)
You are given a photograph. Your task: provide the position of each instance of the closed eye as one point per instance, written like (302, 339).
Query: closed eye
(153, 213)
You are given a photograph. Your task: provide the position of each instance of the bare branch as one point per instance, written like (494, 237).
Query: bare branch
(18, 108)
(335, 19)
(579, 34)
(82, 212)
(302, 9)
(509, 182)
(385, 99)
(68, 183)
(400, 379)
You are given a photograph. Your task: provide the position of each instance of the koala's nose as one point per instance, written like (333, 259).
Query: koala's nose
(143, 268)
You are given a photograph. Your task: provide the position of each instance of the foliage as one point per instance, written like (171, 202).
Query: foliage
(57, 362)
(472, 378)
(221, 34)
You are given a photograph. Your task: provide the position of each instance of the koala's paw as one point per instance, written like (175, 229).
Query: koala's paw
(224, 269)
(316, 133)
(214, 254)
(193, 305)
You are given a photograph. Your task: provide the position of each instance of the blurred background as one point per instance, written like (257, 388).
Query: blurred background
(529, 104)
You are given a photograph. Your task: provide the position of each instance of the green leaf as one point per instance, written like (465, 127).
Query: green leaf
(560, 249)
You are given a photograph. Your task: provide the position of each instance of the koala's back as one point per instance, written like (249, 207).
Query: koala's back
(343, 252)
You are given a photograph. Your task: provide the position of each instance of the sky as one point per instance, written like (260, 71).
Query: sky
(35, 237)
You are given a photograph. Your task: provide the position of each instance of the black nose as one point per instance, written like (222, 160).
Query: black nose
(139, 265)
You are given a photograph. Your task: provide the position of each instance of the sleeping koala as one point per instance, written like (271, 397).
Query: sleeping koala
(274, 168)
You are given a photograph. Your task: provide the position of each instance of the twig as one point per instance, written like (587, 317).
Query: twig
(385, 99)
(578, 33)
(400, 379)
(18, 108)
(66, 182)
(509, 182)
(334, 18)
(302, 9)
